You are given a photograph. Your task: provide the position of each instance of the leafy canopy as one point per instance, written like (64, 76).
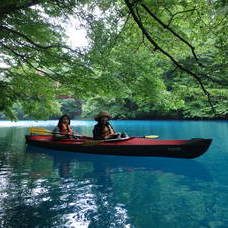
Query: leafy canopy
(133, 46)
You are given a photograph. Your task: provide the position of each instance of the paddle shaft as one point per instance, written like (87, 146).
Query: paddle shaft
(43, 130)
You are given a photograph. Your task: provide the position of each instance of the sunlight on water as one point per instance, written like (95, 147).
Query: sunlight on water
(42, 123)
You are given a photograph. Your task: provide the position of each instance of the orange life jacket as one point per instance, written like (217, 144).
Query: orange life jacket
(65, 129)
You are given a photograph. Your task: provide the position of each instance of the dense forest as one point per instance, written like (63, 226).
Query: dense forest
(144, 59)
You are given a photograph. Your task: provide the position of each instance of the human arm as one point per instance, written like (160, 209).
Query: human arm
(96, 133)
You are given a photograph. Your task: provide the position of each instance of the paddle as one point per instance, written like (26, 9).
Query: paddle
(151, 136)
(93, 142)
(43, 131)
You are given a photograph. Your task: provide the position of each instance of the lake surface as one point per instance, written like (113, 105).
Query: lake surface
(49, 188)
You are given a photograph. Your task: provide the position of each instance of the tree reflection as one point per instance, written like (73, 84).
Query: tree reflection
(146, 190)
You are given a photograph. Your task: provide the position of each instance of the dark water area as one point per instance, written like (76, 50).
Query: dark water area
(51, 188)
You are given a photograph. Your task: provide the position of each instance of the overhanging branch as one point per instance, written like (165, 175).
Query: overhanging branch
(180, 12)
(11, 8)
(19, 34)
(172, 31)
(157, 47)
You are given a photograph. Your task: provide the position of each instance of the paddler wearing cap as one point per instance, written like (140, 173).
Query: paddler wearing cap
(103, 129)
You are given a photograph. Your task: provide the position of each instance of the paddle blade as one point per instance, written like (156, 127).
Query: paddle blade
(151, 136)
(39, 131)
(92, 142)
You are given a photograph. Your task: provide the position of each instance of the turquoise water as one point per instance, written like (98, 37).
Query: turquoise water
(48, 188)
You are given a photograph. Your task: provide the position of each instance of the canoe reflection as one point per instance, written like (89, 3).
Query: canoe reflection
(114, 164)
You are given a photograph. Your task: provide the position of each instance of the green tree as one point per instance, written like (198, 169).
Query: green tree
(38, 65)
(131, 46)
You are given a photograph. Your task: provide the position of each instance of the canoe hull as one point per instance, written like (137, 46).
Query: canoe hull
(161, 148)
(182, 149)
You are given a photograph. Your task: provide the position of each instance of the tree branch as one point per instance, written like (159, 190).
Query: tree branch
(172, 31)
(34, 43)
(11, 8)
(184, 11)
(26, 38)
(41, 71)
(25, 59)
(14, 52)
(148, 36)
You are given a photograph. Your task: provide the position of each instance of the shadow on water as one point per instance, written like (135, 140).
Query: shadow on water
(115, 164)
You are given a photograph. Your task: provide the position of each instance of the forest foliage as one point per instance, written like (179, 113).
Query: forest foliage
(145, 59)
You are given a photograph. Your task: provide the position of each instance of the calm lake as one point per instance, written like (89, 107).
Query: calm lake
(50, 188)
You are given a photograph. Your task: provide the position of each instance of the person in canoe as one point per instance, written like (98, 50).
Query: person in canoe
(63, 129)
(103, 129)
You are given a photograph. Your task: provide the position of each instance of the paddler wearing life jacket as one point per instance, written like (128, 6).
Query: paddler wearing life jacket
(103, 129)
(63, 129)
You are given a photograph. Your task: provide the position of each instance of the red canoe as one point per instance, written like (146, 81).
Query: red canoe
(134, 146)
